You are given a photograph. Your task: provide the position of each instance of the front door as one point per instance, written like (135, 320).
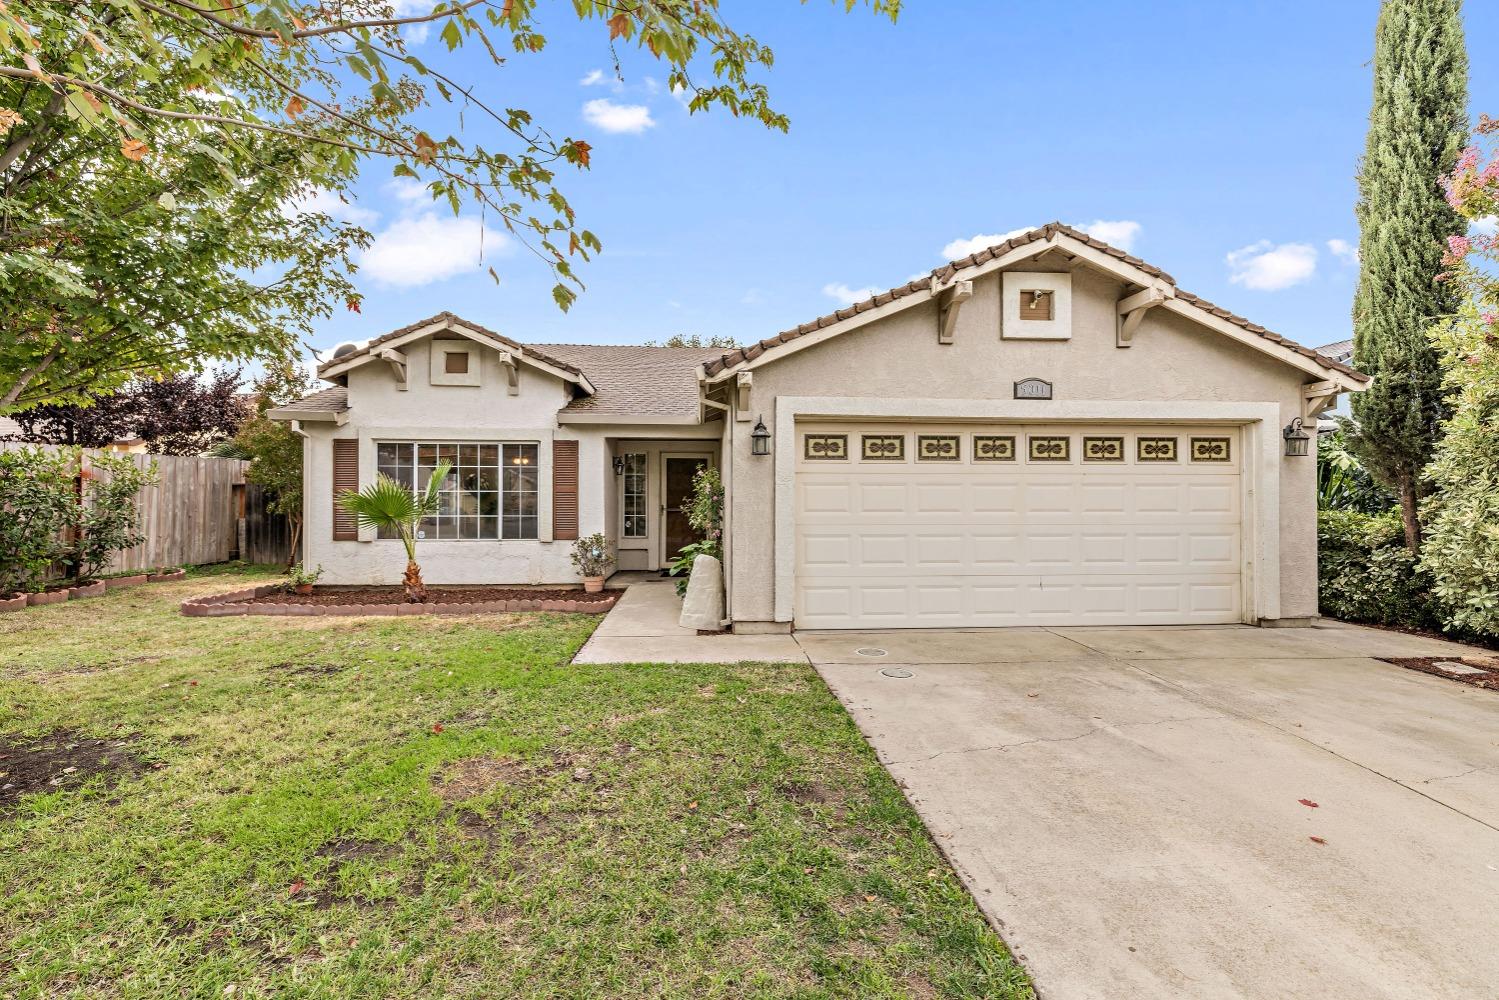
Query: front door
(678, 470)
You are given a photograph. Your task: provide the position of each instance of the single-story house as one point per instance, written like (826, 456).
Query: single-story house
(1046, 432)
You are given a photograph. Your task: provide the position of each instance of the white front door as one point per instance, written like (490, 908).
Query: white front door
(903, 525)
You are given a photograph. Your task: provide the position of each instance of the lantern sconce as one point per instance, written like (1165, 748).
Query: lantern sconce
(759, 438)
(619, 465)
(1296, 439)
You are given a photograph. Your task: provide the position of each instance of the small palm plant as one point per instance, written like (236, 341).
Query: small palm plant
(388, 506)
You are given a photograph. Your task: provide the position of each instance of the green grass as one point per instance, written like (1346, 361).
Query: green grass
(571, 831)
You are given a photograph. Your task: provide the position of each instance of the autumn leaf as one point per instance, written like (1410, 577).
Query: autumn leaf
(426, 149)
(296, 887)
(1308, 803)
(584, 151)
(133, 149)
(619, 24)
(295, 106)
(437, 727)
(301, 24)
(352, 305)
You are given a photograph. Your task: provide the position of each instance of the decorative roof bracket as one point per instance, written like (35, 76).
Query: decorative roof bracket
(950, 298)
(1132, 309)
(398, 366)
(1318, 398)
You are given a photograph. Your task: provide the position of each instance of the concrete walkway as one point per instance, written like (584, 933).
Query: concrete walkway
(1200, 813)
(642, 628)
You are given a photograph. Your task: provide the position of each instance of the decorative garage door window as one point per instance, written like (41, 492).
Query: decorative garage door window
(994, 447)
(825, 447)
(1047, 448)
(883, 447)
(1210, 449)
(633, 498)
(1103, 449)
(490, 493)
(1155, 449)
(939, 448)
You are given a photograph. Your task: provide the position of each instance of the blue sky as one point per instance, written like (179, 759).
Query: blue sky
(1219, 141)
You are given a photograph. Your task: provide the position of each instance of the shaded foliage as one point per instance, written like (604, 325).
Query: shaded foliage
(176, 415)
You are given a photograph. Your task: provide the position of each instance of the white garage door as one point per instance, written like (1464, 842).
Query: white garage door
(920, 526)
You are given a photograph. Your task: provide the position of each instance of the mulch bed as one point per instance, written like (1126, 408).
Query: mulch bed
(322, 596)
(275, 599)
(1432, 665)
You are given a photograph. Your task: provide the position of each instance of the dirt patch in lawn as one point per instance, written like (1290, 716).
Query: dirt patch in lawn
(62, 759)
(1479, 671)
(362, 596)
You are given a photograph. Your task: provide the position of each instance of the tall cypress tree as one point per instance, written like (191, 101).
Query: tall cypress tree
(1416, 129)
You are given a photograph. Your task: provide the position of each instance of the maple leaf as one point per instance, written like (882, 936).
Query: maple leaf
(295, 106)
(426, 149)
(296, 887)
(619, 24)
(1308, 803)
(352, 305)
(133, 149)
(584, 151)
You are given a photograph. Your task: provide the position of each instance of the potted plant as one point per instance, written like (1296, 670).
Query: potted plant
(301, 578)
(593, 556)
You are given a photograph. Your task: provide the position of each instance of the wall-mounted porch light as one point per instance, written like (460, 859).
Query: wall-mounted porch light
(1296, 439)
(759, 438)
(619, 465)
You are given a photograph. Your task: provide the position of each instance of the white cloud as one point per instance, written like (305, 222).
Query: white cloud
(592, 78)
(681, 95)
(1121, 233)
(977, 242)
(845, 295)
(1268, 267)
(1343, 250)
(427, 247)
(409, 191)
(414, 34)
(325, 201)
(605, 114)
(1486, 226)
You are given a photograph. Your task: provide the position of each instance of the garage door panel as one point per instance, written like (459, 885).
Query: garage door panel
(912, 544)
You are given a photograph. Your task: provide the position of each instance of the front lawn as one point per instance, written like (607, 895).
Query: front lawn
(435, 807)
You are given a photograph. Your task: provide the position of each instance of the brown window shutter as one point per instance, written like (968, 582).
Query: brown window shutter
(565, 490)
(345, 477)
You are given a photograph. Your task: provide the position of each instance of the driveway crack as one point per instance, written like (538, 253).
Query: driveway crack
(1004, 747)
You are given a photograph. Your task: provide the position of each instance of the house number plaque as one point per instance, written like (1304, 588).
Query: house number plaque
(1033, 388)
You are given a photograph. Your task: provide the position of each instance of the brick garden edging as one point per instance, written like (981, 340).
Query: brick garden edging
(238, 602)
(95, 589)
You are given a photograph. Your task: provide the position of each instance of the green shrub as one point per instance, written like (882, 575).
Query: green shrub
(108, 519)
(1366, 574)
(36, 506)
(1461, 548)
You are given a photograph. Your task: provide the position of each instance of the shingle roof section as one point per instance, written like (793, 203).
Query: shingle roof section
(658, 381)
(447, 317)
(1341, 350)
(333, 400)
(942, 274)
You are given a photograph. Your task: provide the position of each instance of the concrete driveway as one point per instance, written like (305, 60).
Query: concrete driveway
(1127, 803)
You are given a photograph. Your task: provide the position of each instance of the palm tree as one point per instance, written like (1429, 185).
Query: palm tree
(388, 506)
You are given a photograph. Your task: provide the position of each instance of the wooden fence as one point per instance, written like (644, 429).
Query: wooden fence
(200, 511)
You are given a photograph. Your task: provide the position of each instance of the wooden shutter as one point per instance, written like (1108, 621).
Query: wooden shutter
(345, 477)
(565, 490)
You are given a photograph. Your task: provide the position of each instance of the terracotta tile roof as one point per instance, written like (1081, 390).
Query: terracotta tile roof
(659, 381)
(742, 354)
(452, 318)
(334, 400)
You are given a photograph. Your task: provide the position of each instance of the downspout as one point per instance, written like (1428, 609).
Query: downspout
(296, 428)
(726, 476)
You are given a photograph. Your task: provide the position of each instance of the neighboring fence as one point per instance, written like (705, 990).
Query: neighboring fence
(200, 511)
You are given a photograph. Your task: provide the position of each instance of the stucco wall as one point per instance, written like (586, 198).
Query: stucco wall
(899, 357)
(381, 411)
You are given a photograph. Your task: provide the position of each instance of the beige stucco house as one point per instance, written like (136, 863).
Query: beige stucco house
(1046, 432)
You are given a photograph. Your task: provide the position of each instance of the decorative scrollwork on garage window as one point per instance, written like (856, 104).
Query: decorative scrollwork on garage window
(1050, 449)
(1214, 449)
(938, 448)
(1155, 449)
(825, 447)
(994, 447)
(883, 447)
(1103, 449)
